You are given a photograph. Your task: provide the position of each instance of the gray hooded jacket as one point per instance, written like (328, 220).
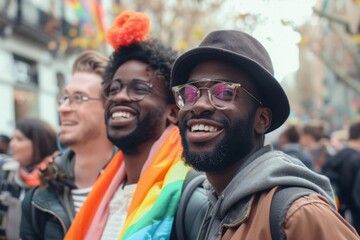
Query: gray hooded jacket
(263, 170)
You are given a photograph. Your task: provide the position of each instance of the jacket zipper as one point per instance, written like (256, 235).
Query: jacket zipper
(52, 213)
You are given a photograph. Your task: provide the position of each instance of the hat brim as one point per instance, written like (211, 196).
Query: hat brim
(272, 94)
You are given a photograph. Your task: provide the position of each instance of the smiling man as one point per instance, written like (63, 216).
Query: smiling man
(138, 194)
(228, 100)
(70, 178)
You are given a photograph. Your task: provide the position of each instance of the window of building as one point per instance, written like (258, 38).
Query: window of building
(26, 103)
(60, 81)
(26, 88)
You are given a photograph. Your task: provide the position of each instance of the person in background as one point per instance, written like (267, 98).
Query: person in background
(4, 150)
(4, 144)
(314, 141)
(32, 144)
(229, 99)
(289, 144)
(344, 168)
(70, 177)
(138, 193)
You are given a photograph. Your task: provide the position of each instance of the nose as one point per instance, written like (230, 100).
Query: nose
(121, 96)
(203, 103)
(65, 106)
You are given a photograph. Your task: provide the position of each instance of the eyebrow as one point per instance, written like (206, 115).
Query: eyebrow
(75, 93)
(134, 79)
(207, 80)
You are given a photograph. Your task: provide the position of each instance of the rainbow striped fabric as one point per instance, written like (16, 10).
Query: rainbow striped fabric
(155, 215)
(155, 201)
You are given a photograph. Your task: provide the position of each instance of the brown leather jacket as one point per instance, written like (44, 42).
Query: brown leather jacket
(310, 217)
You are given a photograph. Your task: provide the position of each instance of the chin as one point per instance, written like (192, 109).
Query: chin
(67, 140)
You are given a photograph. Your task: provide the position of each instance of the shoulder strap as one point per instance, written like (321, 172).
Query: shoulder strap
(280, 204)
(192, 181)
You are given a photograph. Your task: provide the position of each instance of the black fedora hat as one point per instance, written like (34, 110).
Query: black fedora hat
(244, 50)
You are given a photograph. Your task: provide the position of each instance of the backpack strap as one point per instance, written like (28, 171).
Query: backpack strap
(193, 196)
(281, 202)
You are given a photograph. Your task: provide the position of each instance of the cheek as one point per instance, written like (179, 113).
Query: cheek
(23, 153)
(107, 104)
(181, 115)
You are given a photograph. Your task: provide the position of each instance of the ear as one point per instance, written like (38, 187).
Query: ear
(172, 113)
(263, 117)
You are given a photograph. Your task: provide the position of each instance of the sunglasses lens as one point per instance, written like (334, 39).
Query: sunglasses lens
(222, 94)
(187, 96)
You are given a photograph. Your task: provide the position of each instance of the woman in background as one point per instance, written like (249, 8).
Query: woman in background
(32, 145)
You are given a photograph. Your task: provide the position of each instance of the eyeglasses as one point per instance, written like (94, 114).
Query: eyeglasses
(75, 100)
(136, 89)
(221, 94)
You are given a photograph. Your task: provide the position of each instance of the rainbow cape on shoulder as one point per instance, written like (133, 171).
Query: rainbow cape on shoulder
(155, 201)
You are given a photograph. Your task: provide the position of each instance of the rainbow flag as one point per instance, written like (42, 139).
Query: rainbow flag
(155, 201)
(91, 17)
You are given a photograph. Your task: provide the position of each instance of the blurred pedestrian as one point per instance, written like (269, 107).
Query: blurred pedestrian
(70, 177)
(138, 193)
(32, 144)
(289, 144)
(229, 99)
(4, 144)
(4, 149)
(343, 169)
(314, 141)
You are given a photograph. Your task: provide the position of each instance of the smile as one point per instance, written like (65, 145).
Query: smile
(121, 114)
(203, 128)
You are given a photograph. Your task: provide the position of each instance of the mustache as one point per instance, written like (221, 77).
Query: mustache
(207, 116)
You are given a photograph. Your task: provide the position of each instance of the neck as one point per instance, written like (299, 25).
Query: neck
(134, 163)
(135, 160)
(221, 179)
(89, 160)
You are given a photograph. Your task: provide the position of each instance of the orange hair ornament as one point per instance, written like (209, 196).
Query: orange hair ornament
(127, 28)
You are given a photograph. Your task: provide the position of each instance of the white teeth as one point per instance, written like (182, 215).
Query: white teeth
(120, 115)
(203, 128)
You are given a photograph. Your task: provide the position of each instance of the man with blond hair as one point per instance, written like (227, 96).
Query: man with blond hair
(67, 181)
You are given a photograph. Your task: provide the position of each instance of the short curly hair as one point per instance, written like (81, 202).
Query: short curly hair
(151, 52)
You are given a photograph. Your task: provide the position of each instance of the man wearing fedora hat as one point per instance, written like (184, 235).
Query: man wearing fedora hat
(229, 99)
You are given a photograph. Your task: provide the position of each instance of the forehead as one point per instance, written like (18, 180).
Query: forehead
(214, 69)
(83, 82)
(18, 133)
(133, 69)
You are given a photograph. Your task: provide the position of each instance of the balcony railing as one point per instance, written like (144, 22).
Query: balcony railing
(42, 27)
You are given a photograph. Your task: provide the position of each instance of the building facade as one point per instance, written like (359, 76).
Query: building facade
(39, 41)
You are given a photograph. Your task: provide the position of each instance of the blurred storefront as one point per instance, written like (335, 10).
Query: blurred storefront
(38, 43)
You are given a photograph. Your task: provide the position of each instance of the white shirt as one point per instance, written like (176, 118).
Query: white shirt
(119, 206)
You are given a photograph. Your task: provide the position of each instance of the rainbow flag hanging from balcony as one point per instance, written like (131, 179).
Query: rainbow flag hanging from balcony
(91, 17)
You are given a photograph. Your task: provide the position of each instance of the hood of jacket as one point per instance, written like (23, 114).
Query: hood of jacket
(65, 162)
(264, 170)
(60, 173)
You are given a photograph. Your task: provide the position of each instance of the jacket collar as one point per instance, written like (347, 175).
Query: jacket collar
(239, 213)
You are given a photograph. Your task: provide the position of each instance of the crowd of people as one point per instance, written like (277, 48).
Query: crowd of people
(141, 125)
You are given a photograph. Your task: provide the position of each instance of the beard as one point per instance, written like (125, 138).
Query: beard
(236, 144)
(145, 130)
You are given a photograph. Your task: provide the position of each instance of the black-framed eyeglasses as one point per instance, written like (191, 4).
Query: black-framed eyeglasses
(136, 89)
(75, 100)
(221, 94)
